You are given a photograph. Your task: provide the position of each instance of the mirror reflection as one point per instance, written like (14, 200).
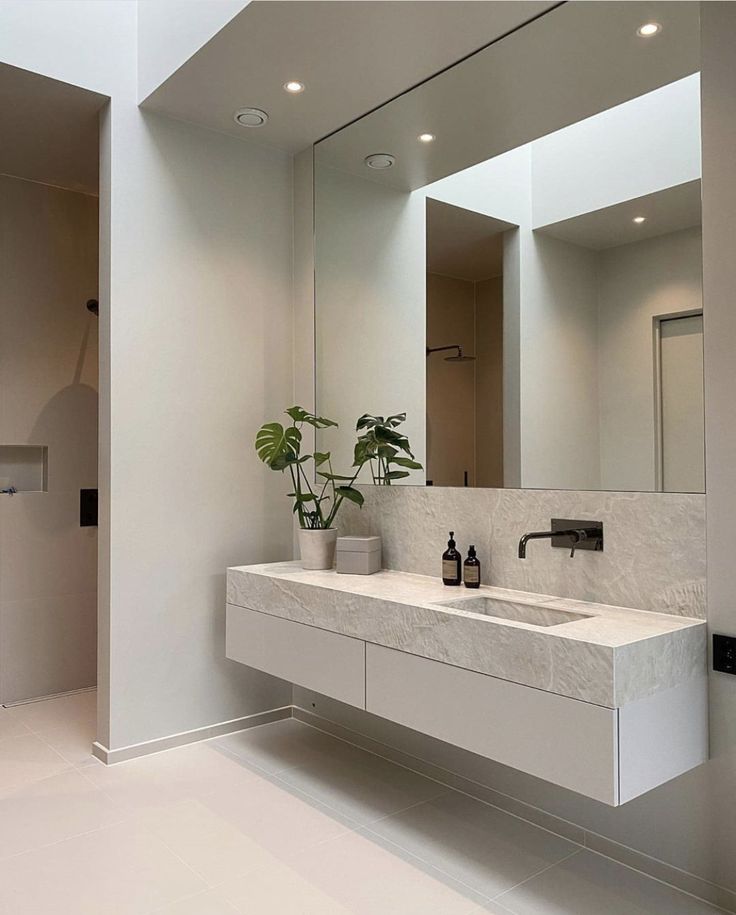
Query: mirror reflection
(524, 281)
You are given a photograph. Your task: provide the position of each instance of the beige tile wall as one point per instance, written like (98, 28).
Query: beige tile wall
(48, 396)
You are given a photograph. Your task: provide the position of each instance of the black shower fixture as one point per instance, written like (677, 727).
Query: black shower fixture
(458, 357)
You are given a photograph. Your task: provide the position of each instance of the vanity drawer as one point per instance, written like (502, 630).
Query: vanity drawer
(328, 663)
(570, 743)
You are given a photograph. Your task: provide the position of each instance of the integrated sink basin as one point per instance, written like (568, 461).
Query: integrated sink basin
(532, 614)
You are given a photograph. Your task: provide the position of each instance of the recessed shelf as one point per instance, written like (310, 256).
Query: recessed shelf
(24, 467)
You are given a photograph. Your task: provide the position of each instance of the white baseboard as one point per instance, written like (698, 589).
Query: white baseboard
(133, 751)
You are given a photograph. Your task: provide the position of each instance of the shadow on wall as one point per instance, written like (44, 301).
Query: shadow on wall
(68, 426)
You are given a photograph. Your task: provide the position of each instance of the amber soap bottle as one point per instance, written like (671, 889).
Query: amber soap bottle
(451, 561)
(471, 570)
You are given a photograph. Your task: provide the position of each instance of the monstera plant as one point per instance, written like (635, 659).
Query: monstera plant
(317, 491)
(380, 446)
(315, 504)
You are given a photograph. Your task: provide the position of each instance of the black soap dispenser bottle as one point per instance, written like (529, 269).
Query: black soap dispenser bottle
(451, 561)
(471, 570)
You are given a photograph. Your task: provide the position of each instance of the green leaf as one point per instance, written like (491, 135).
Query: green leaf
(332, 476)
(396, 474)
(384, 434)
(321, 457)
(300, 415)
(297, 413)
(396, 420)
(277, 446)
(367, 421)
(407, 462)
(362, 452)
(387, 451)
(302, 497)
(353, 495)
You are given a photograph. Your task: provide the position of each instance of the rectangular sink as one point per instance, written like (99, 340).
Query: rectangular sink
(532, 614)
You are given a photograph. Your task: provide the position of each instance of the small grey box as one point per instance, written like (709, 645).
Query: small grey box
(358, 555)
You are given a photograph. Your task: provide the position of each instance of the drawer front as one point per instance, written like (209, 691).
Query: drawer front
(564, 741)
(328, 663)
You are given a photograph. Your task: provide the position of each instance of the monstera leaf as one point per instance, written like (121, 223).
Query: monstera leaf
(300, 415)
(278, 446)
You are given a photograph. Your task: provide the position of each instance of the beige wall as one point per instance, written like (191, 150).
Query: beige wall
(48, 396)
(465, 399)
(450, 385)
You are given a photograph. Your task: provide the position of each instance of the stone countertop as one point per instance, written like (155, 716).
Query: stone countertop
(613, 656)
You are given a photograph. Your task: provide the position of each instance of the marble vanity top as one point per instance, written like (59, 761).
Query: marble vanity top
(605, 655)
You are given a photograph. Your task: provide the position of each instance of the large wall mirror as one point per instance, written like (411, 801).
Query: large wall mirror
(510, 253)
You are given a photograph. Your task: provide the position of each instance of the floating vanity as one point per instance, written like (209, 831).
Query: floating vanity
(606, 701)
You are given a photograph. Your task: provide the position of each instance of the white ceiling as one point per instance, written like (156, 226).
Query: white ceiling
(352, 56)
(668, 210)
(462, 243)
(575, 61)
(49, 130)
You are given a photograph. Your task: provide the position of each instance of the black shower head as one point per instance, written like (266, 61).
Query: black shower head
(458, 357)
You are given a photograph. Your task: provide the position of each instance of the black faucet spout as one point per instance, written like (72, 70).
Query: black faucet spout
(575, 534)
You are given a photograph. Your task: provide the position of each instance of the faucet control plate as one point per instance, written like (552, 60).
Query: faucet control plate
(594, 540)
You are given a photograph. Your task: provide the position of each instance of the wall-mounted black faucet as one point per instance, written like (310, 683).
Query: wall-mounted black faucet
(572, 535)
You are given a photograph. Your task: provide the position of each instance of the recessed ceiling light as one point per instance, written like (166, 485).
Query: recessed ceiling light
(425, 137)
(639, 219)
(379, 160)
(649, 29)
(250, 117)
(294, 86)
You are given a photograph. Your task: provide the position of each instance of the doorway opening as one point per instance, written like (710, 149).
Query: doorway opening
(49, 374)
(465, 342)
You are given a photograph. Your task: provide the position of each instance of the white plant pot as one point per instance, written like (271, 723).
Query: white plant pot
(317, 548)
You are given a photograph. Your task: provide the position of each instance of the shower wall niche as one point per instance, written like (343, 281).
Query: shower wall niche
(23, 468)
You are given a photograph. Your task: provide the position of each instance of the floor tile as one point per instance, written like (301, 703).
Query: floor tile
(75, 710)
(281, 745)
(25, 759)
(168, 777)
(588, 883)
(74, 742)
(361, 786)
(350, 874)
(231, 833)
(50, 810)
(120, 870)
(479, 845)
(10, 724)
(207, 903)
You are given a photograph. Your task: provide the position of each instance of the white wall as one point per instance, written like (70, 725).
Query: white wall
(201, 346)
(370, 283)
(658, 276)
(559, 377)
(195, 331)
(171, 31)
(642, 146)
(48, 397)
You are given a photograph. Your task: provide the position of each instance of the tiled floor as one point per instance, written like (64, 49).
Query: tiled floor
(278, 820)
